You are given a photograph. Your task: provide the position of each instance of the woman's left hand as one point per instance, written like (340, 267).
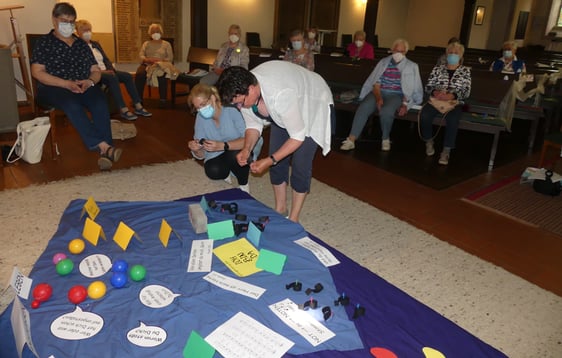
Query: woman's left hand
(213, 145)
(260, 166)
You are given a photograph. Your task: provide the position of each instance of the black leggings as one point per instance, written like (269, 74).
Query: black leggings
(221, 166)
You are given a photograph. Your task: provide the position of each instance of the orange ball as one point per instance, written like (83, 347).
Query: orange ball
(76, 246)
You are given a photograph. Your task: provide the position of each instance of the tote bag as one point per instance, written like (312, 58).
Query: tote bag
(31, 137)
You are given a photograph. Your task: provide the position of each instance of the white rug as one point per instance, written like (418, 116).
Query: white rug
(505, 311)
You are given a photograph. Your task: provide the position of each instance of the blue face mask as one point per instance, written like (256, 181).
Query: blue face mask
(207, 112)
(453, 59)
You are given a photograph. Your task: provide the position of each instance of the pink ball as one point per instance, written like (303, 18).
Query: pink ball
(58, 257)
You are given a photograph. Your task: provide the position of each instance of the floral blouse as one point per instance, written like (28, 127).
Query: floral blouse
(305, 59)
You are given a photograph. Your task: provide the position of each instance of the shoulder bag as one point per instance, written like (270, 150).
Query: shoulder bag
(31, 137)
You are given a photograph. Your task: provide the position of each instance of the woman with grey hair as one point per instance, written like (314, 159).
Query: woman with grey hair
(360, 48)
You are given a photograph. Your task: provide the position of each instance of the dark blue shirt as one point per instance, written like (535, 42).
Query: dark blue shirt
(67, 62)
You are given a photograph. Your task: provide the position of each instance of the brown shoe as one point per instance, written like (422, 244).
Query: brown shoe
(104, 163)
(113, 154)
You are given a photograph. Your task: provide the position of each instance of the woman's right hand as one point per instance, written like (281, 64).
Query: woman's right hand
(194, 145)
(242, 157)
(73, 86)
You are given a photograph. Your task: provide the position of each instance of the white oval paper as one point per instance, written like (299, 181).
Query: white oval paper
(147, 336)
(77, 325)
(95, 265)
(156, 296)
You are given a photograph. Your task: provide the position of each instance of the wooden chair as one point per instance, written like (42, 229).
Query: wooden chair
(42, 109)
(197, 57)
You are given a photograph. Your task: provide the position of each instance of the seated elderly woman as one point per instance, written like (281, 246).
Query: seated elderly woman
(450, 82)
(298, 54)
(110, 76)
(394, 85)
(218, 137)
(67, 74)
(508, 63)
(359, 48)
(155, 53)
(231, 53)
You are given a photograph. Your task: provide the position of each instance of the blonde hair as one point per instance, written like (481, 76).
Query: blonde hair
(204, 91)
(360, 33)
(235, 27)
(154, 25)
(403, 42)
(457, 45)
(511, 44)
(81, 23)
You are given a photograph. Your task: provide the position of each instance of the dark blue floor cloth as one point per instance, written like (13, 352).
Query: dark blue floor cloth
(393, 320)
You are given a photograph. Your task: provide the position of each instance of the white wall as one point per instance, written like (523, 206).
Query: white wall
(391, 22)
(352, 17)
(479, 34)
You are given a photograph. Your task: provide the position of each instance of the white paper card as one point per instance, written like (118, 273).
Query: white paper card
(95, 265)
(321, 253)
(234, 285)
(303, 323)
(243, 336)
(20, 283)
(201, 256)
(21, 326)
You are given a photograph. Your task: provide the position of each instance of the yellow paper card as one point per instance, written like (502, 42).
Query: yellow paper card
(123, 235)
(92, 232)
(165, 231)
(91, 208)
(240, 256)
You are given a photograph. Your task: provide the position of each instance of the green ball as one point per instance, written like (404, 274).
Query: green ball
(64, 267)
(137, 272)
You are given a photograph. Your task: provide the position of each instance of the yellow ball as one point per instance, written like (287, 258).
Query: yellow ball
(76, 246)
(96, 290)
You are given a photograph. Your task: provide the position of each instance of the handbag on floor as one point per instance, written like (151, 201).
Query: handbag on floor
(546, 186)
(120, 130)
(31, 137)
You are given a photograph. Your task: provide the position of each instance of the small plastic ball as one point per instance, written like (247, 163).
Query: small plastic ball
(119, 279)
(120, 266)
(76, 246)
(137, 273)
(58, 257)
(35, 304)
(64, 267)
(96, 290)
(42, 292)
(77, 294)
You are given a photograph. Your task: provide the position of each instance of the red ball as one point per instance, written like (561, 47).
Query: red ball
(42, 292)
(77, 294)
(35, 304)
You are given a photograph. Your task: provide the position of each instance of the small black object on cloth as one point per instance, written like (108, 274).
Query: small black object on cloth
(546, 186)
(311, 303)
(326, 312)
(296, 286)
(212, 204)
(232, 208)
(342, 300)
(317, 288)
(240, 217)
(359, 311)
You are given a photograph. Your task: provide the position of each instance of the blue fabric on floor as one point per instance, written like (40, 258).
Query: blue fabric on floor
(393, 319)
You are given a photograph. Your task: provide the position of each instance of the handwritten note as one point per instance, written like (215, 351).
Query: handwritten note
(77, 325)
(201, 256)
(20, 283)
(234, 285)
(321, 253)
(239, 256)
(243, 336)
(304, 324)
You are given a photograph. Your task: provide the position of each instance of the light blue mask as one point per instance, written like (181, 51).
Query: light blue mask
(507, 54)
(207, 112)
(453, 59)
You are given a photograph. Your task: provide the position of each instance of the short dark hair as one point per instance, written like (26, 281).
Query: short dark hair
(234, 81)
(64, 8)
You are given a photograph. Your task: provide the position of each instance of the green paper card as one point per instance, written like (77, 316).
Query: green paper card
(196, 346)
(271, 261)
(220, 230)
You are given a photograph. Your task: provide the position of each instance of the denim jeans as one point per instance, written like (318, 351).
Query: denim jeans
(368, 106)
(452, 119)
(112, 80)
(75, 106)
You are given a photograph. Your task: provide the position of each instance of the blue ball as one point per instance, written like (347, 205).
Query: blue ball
(119, 279)
(120, 266)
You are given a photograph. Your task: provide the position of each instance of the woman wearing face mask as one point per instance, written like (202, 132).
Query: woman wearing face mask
(110, 76)
(359, 48)
(310, 42)
(67, 75)
(393, 86)
(231, 53)
(152, 52)
(446, 82)
(219, 136)
(508, 63)
(298, 54)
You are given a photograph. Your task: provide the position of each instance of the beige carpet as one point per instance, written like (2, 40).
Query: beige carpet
(507, 312)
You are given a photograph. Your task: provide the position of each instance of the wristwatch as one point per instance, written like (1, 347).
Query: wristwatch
(273, 160)
(226, 146)
(93, 82)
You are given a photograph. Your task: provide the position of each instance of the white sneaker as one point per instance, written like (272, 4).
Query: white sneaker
(245, 188)
(228, 179)
(347, 145)
(385, 145)
(444, 158)
(429, 149)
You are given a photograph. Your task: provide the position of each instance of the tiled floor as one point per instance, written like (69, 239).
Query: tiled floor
(526, 251)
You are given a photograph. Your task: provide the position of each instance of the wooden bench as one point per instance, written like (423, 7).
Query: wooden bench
(197, 57)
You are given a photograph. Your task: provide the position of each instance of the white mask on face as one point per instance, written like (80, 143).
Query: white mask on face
(233, 38)
(311, 35)
(398, 56)
(87, 36)
(156, 36)
(359, 43)
(66, 29)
